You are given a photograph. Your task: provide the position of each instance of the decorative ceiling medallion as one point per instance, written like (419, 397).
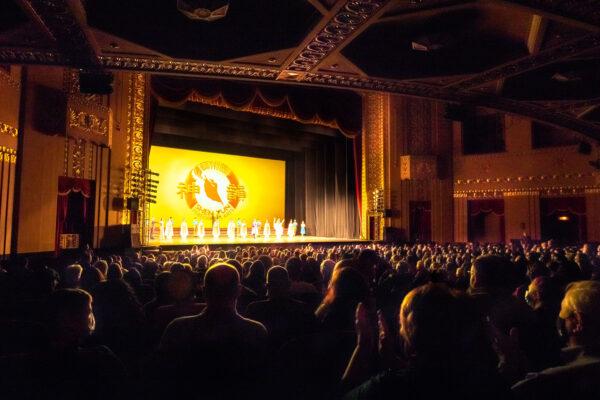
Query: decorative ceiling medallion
(203, 10)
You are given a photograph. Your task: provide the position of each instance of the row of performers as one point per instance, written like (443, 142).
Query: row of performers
(234, 229)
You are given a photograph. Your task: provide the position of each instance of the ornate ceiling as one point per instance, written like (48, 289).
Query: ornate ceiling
(537, 58)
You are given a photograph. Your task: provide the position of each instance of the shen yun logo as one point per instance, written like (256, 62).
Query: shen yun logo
(211, 189)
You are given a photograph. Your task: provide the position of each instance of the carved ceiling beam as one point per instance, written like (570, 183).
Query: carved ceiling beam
(344, 22)
(63, 19)
(584, 13)
(31, 56)
(533, 61)
(260, 74)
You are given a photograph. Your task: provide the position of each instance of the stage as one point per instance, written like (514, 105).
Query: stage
(224, 241)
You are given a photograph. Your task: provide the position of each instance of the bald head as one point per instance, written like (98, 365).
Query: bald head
(221, 284)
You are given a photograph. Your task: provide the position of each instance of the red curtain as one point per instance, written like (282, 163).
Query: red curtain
(327, 107)
(68, 189)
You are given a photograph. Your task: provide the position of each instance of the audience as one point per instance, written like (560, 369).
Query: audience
(356, 320)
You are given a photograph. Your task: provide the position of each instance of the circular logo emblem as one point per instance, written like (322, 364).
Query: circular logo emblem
(211, 188)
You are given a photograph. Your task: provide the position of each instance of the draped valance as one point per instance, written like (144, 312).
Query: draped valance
(495, 206)
(332, 108)
(67, 185)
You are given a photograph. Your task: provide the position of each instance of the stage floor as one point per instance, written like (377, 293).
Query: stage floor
(223, 240)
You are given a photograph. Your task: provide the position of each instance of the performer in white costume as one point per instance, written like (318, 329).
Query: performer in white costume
(161, 226)
(169, 229)
(216, 229)
(243, 230)
(254, 231)
(278, 229)
(290, 229)
(267, 230)
(200, 229)
(231, 230)
(183, 230)
(295, 228)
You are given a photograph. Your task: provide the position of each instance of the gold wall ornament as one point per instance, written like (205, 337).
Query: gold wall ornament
(78, 154)
(88, 123)
(6, 129)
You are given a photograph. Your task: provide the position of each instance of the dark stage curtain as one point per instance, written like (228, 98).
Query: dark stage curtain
(75, 208)
(573, 205)
(571, 230)
(333, 108)
(420, 221)
(330, 196)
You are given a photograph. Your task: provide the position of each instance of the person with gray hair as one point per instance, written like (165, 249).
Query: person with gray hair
(579, 376)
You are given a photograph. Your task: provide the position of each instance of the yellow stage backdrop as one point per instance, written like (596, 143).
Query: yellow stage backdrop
(197, 184)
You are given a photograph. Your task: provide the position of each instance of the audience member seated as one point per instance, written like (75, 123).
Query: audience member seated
(181, 292)
(284, 317)
(218, 352)
(579, 376)
(445, 352)
(64, 369)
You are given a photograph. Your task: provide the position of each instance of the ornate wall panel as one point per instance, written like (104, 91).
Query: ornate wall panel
(375, 112)
(136, 103)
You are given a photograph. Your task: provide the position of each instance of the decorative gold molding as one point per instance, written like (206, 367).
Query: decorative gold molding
(135, 133)
(6, 129)
(530, 178)
(515, 192)
(88, 123)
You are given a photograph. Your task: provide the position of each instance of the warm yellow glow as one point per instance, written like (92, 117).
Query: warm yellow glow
(196, 184)
(563, 218)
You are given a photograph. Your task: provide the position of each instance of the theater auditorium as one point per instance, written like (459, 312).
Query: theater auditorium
(300, 199)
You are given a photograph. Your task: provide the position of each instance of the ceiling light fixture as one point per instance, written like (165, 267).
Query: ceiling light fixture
(203, 10)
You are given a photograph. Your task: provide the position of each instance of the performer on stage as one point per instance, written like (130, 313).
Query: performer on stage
(278, 229)
(294, 228)
(302, 229)
(267, 230)
(243, 230)
(183, 230)
(290, 228)
(231, 230)
(169, 229)
(216, 229)
(161, 226)
(200, 229)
